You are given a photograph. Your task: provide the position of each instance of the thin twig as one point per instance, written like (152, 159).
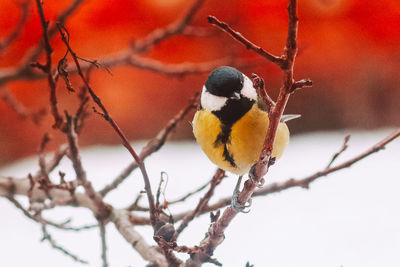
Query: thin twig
(120, 218)
(48, 237)
(24, 6)
(102, 228)
(35, 52)
(56, 159)
(42, 161)
(280, 61)
(24, 71)
(259, 85)
(47, 67)
(188, 195)
(125, 57)
(337, 154)
(172, 29)
(300, 85)
(41, 220)
(215, 181)
(22, 111)
(103, 210)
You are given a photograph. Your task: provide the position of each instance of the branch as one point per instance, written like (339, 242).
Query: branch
(47, 67)
(22, 111)
(249, 45)
(55, 160)
(42, 162)
(41, 220)
(102, 210)
(24, 6)
(337, 154)
(102, 228)
(172, 29)
(24, 71)
(259, 85)
(153, 145)
(35, 52)
(47, 236)
(120, 218)
(182, 199)
(13, 186)
(300, 85)
(217, 178)
(126, 58)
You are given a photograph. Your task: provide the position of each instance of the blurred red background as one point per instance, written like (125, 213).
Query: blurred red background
(349, 48)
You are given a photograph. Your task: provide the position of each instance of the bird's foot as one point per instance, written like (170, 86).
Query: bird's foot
(239, 207)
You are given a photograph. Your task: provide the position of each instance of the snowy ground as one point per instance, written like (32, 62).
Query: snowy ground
(351, 218)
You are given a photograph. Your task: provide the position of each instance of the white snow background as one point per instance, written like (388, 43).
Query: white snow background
(350, 218)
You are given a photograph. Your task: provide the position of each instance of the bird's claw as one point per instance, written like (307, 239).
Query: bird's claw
(239, 207)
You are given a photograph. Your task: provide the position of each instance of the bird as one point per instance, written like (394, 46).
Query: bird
(230, 124)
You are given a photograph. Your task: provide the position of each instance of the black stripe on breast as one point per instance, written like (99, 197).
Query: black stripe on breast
(222, 140)
(228, 115)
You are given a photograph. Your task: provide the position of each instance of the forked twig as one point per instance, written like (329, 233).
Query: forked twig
(337, 154)
(58, 120)
(49, 238)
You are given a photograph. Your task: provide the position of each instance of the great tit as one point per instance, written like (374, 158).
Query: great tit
(230, 125)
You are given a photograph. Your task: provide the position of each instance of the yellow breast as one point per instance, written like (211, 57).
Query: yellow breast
(246, 139)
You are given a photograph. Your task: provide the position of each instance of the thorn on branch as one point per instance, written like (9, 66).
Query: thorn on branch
(300, 85)
(214, 217)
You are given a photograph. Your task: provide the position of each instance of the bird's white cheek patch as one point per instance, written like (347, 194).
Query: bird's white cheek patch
(248, 89)
(212, 102)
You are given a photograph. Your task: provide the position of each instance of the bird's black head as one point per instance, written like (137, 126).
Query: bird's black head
(228, 94)
(225, 81)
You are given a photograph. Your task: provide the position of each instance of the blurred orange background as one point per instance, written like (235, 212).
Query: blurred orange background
(349, 48)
